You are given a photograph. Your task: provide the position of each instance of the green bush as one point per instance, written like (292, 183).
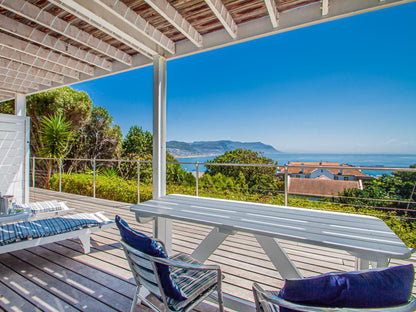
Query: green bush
(112, 188)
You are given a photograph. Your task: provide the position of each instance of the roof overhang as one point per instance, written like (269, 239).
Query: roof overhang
(48, 44)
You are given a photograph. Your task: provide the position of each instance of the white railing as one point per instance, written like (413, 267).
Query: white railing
(284, 168)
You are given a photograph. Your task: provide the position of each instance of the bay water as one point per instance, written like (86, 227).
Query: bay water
(363, 160)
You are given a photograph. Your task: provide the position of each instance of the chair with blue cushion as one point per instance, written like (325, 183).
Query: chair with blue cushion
(382, 290)
(179, 283)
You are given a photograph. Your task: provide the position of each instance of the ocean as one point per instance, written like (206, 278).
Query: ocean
(364, 160)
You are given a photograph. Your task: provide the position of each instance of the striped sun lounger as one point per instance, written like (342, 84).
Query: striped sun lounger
(45, 208)
(36, 210)
(25, 234)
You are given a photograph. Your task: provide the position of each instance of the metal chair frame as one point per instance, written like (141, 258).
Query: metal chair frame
(267, 302)
(145, 272)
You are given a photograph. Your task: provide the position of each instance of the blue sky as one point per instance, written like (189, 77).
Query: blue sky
(347, 86)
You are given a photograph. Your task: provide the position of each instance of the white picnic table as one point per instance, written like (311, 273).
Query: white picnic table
(366, 237)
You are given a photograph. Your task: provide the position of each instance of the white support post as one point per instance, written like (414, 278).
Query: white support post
(162, 226)
(20, 110)
(20, 104)
(26, 170)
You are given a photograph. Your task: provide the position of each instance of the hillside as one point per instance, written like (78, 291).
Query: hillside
(211, 148)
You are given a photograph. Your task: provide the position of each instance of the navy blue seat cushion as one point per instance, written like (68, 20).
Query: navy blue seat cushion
(149, 246)
(362, 289)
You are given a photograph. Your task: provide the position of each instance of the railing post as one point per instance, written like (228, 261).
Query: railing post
(138, 181)
(286, 186)
(33, 171)
(60, 174)
(197, 178)
(93, 172)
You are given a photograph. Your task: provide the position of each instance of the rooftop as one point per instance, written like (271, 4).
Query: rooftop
(319, 187)
(296, 167)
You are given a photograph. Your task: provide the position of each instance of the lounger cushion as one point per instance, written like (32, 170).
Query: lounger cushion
(149, 246)
(362, 289)
(13, 232)
(38, 207)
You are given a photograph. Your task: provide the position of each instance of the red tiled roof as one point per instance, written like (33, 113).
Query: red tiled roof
(319, 187)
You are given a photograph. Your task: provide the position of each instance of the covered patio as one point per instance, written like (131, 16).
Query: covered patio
(54, 43)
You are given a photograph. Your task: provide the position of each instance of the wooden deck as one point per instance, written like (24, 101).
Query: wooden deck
(58, 276)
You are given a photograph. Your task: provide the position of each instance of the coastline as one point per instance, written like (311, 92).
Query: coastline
(365, 160)
(195, 156)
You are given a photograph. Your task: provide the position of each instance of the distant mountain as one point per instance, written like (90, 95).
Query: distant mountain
(213, 148)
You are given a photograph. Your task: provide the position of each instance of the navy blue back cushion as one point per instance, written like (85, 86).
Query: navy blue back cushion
(148, 246)
(361, 289)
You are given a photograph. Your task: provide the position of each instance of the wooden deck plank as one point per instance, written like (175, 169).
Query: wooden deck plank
(121, 287)
(105, 272)
(78, 286)
(38, 296)
(52, 283)
(11, 301)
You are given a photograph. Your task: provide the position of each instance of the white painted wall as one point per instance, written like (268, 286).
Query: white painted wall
(14, 156)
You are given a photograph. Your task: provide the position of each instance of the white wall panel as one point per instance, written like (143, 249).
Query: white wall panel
(14, 156)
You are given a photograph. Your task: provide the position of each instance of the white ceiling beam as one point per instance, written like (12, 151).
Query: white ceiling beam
(273, 12)
(221, 12)
(19, 81)
(29, 33)
(27, 59)
(20, 68)
(100, 18)
(46, 19)
(13, 88)
(325, 7)
(45, 54)
(7, 73)
(120, 10)
(6, 93)
(169, 13)
(291, 20)
(5, 98)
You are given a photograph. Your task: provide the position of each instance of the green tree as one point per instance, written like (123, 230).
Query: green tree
(7, 107)
(137, 142)
(98, 137)
(260, 179)
(55, 136)
(93, 132)
(75, 106)
(388, 191)
(138, 145)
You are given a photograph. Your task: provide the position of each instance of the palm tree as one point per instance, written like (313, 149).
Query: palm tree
(55, 136)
